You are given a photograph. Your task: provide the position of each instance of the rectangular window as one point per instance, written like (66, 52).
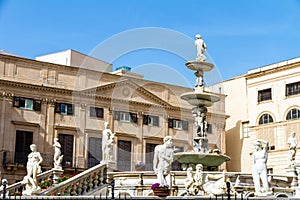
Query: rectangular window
(264, 95)
(125, 116)
(246, 130)
(66, 142)
(96, 112)
(178, 124)
(22, 147)
(64, 108)
(27, 103)
(151, 120)
(292, 89)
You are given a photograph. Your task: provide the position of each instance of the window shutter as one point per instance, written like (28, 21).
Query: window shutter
(145, 119)
(16, 102)
(99, 112)
(37, 105)
(22, 102)
(155, 121)
(209, 128)
(57, 107)
(185, 125)
(117, 115)
(133, 117)
(170, 123)
(70, 109)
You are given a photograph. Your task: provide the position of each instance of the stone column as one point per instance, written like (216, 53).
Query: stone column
(50, 121)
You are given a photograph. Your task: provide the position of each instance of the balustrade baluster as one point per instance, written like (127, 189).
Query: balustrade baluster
(74, 188)
(96, 180)
(80, 187)
(91, 184)
(85, 185)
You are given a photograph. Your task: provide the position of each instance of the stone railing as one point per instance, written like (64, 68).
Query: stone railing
(81, 184)
(40, 178)
(139, 183)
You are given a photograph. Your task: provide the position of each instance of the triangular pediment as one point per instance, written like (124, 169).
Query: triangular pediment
(127, 90)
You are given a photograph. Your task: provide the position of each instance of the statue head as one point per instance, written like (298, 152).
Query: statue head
(33, 147)
(199, 167)
(105, 124)
(198, 36)
(257, 144)
(168, 140)
(293, 133)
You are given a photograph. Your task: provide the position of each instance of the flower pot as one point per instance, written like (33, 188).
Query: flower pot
(140, 168)
(161, 192)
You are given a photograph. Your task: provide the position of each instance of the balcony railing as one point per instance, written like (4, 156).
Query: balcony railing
(10, 157)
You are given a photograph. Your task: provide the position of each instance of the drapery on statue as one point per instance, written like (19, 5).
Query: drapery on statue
(259, 168)
(107, 144)
(292, 142)
(57, 159)
(33, 169)
(201, 48)
(163, 158)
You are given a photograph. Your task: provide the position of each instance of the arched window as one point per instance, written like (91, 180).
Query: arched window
(265, 119)
(293, 114)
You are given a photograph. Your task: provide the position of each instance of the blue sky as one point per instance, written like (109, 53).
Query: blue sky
(240, 34)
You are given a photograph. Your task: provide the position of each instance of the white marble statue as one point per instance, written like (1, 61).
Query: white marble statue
(107, 144)
(292, 142)
(4, 181)
(57, 159)
(189, 182)
(163, 158)
(201, 48)
(259, 168)
(33, 169)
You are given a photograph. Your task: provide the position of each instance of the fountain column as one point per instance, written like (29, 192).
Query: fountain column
(200, 99)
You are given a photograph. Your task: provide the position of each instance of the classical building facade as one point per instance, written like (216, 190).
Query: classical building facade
(262, 104)
(40, 101)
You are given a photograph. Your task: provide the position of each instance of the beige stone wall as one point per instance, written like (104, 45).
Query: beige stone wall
(52, 84)
(242, 105)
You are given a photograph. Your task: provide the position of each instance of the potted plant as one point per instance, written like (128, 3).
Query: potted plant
(139, 166)
(160, 190)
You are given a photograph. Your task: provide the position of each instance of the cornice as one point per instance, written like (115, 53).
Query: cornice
(273, 70)
(34, 87)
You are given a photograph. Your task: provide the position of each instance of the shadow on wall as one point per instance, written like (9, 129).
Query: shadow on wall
(233, 147)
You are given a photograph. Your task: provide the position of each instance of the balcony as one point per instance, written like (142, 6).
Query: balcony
(14, 160)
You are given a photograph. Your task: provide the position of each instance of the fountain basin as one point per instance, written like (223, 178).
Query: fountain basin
(196, 65)
(203, 98)
(206, 159)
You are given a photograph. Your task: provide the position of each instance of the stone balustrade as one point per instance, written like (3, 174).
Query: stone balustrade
(139, 183)
(55, 173)
(81, 184)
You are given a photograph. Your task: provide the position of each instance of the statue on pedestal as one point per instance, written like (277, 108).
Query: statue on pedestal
(259, 168)
(201, 48)
(107, 144)
(33, 169)
(292, 142)
(57, 154)
(163, 158)
(4, 183)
